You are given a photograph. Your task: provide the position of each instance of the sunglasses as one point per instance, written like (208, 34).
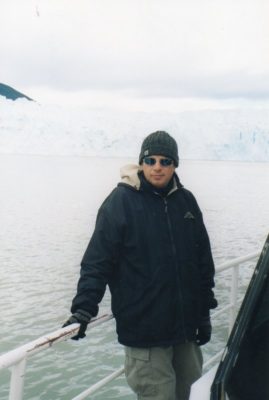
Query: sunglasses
(165, 162)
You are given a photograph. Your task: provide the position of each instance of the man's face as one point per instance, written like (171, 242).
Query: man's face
(157, 174)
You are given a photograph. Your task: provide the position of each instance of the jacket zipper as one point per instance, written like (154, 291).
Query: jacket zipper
(176, 263)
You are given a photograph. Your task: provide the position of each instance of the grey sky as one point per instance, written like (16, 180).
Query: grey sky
(165, 52)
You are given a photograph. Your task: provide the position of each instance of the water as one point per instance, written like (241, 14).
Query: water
(47, 213)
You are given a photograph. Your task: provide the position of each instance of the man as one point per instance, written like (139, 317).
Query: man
(151, 247)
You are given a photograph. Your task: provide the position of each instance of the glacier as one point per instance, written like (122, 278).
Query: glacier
(32, 128)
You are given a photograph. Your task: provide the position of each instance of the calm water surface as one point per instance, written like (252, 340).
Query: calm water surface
(48, 207)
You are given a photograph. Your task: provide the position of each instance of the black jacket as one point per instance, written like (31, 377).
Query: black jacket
(154, 254)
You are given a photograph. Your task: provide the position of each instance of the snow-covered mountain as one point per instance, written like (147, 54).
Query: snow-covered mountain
(31, 128)
(10, 93)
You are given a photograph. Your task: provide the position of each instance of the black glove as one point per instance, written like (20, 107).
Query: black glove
(204, 331)
(83, 318)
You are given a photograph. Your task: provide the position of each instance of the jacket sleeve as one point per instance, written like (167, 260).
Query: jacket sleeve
(207, 270)
(206, 264)
(98, 263)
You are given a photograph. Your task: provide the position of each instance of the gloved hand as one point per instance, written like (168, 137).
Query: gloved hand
(83, 318)
(204, 331)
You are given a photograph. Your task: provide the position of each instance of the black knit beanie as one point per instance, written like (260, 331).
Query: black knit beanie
(159, 143)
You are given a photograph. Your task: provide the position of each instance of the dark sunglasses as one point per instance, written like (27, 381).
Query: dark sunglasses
(165, 162)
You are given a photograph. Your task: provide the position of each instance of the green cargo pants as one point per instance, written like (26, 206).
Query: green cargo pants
(163, 373)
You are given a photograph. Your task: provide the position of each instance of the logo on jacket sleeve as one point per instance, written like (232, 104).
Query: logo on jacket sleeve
(189, 215)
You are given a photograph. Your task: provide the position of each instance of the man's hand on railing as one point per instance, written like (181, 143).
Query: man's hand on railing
(81, 317)
(204, 331)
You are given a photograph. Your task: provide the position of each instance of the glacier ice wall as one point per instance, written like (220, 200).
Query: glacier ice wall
(31, 128)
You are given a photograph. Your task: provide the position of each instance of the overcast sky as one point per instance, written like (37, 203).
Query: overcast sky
(137, 54)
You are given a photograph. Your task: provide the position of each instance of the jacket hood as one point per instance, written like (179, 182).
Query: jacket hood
(129, 175)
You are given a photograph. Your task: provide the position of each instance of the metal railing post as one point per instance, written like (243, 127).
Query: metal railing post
(17, 380)
(234, 293)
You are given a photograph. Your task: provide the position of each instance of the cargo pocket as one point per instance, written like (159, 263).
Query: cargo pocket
(138, 371)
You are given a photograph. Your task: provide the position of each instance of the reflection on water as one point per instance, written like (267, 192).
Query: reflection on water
(47, 212)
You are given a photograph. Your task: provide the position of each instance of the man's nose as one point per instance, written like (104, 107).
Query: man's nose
(157, 165)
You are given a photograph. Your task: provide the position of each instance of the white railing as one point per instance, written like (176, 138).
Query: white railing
(16, 359)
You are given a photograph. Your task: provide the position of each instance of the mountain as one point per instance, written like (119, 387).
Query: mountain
(9, 93)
